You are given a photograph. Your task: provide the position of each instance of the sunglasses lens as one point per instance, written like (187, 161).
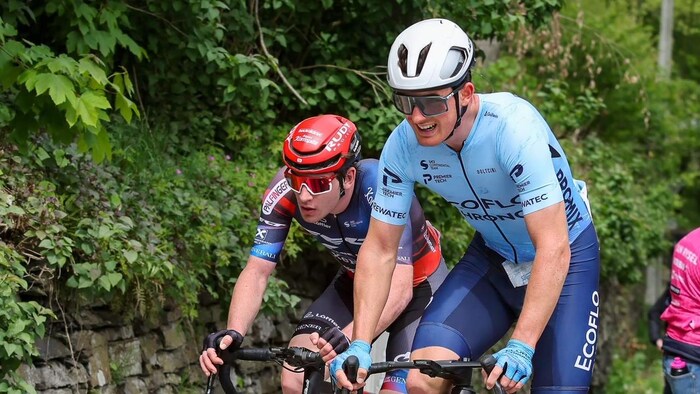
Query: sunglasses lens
(314, 185)
(403, 104)
(431, 105)
(428, 105)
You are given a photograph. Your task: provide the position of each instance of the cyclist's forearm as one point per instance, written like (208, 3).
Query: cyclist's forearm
(400, 294)
(372, 284)
(246, 300)
(543, 290)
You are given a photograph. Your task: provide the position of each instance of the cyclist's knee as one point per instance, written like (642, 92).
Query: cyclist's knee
(419, 383)
(291, 382)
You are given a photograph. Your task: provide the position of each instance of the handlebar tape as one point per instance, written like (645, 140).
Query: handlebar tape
(253, 354)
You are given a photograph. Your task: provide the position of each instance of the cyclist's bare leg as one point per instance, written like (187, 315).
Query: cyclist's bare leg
(419, 383)
(292, 382)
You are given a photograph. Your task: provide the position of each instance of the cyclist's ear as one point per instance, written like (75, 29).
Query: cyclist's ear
(349, 177)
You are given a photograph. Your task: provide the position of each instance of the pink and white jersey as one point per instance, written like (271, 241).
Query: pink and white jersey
(683, 315)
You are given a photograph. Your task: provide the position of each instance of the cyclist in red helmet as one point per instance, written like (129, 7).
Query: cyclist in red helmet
(329, 190)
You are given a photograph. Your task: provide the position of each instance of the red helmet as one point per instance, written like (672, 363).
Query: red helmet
(322, 144)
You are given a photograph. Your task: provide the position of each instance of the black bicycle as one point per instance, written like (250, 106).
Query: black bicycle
(310, 363)
(459, 372)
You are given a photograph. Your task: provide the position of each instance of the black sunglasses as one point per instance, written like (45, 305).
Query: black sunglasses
(428, 105)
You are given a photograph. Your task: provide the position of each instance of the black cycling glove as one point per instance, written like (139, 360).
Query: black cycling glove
(336, 338)
(212, 341)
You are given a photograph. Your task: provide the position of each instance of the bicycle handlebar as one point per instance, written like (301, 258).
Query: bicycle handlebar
(294, 356)
(457, 371)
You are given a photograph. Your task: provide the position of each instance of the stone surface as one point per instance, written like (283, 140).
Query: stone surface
(117, 333)
(263, 328)
(150, 344)
(134, 386)
(173, 336)
(126, 356)
(98, 367)
(171, 361)
(58, 375)
(86, 341)
(149, 357)
(51, 348)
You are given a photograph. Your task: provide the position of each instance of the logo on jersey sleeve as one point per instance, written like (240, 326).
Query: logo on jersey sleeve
(516, 172)
(261, 234)
(389, 174)
(369, 195)
(573, 215)
(276, 194)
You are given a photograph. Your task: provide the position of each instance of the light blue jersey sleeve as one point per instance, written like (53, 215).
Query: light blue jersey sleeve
(395, 181)
(524, 151)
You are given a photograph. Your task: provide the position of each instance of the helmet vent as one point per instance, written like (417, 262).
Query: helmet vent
(454, 63)
(403, 58)
(421, 58)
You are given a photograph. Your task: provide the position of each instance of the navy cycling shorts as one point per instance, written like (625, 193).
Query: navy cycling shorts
(335, 308)
(476, 306)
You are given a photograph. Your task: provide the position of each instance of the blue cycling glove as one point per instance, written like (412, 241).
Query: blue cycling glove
(516, 360)
(359, 349)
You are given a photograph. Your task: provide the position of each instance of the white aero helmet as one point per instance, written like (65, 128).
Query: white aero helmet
(430, 54)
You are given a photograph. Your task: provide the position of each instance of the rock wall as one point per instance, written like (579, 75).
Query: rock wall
(104, 354)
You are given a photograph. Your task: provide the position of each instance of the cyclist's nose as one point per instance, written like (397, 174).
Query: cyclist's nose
(304, 194)
(417, 115)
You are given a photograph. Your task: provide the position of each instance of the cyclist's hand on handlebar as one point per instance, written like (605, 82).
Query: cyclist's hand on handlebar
(514, 362)
(359, 349)
(225, 339)
(330, 343)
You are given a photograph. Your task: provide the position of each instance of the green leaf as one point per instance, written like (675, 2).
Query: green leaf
(62, 63)
(86, 108)
(104, 232)
(84, 282)
(60, 157)
(131, 255)
(60, 87)
(42, 154)
(125, 106)
(95, 99)
(104, 282)
(88, 66)
(47, 243)
(114, 278)
(102, 149)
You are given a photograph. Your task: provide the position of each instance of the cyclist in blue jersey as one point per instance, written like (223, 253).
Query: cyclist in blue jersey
(534, 260)
(328, 190)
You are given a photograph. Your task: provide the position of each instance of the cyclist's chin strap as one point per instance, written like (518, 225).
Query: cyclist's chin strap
(460, 114)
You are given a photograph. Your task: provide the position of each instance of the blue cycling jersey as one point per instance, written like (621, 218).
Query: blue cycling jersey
(510, 165)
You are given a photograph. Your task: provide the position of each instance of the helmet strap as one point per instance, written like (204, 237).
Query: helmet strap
(460, 113)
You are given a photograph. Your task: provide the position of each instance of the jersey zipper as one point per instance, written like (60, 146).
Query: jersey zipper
(464, 172)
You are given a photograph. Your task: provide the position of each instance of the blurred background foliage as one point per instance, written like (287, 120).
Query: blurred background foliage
(136, 138)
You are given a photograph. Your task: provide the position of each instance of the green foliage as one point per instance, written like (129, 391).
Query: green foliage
(134, 235)
(592, 78)
(65, 96)
(630, 212)
(640, 371)
(22, 322)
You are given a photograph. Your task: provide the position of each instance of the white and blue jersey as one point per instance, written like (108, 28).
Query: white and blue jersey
(510, 165)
